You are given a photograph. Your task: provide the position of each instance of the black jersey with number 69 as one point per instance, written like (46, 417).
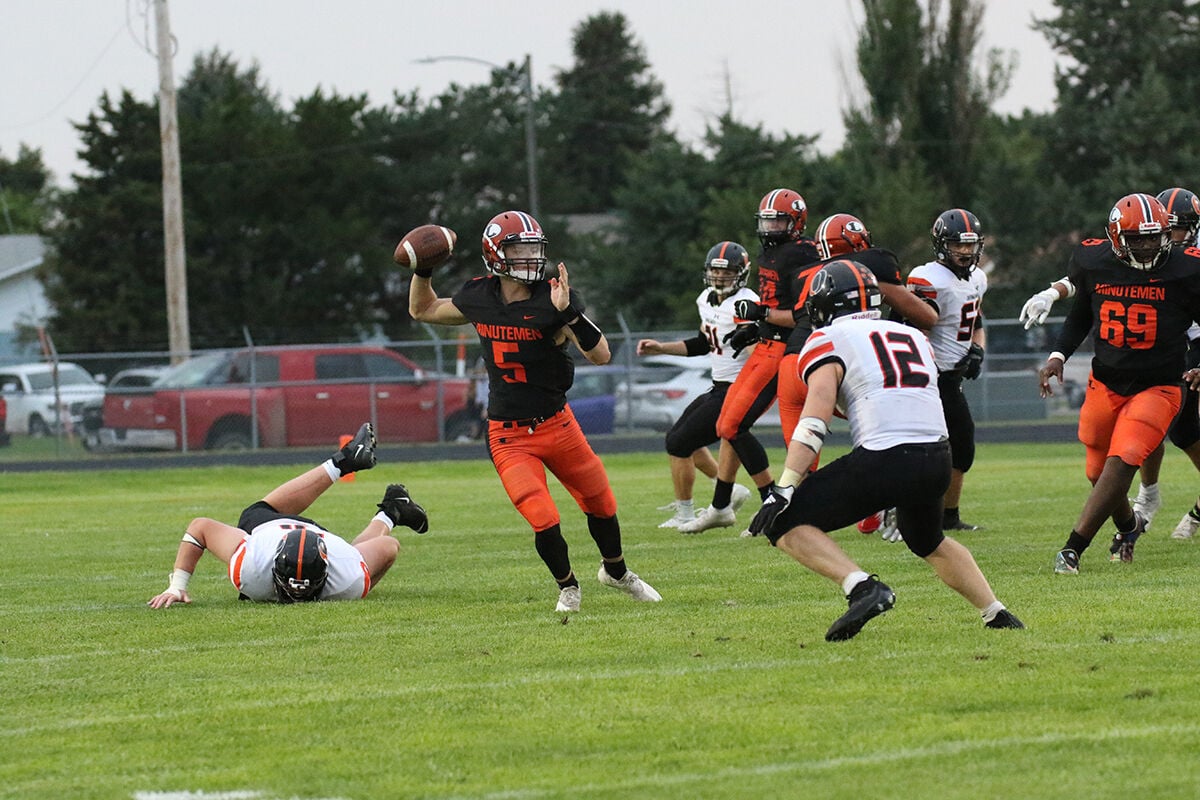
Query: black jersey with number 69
(1138, 318)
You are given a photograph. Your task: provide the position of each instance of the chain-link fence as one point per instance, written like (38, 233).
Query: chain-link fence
(431, 391)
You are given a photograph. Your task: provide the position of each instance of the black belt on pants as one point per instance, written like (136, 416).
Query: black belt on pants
(531, 422)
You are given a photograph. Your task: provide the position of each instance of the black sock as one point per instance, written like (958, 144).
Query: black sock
(723, 494)
(606, 532)
(950, 516)
(571, 580)
(1077, 543)
(764, 491)
(1125, 526)
(552, 547)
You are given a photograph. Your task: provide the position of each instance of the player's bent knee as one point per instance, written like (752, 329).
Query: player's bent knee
(923, 546)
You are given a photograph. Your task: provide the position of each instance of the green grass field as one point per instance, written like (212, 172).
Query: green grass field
(456, 678)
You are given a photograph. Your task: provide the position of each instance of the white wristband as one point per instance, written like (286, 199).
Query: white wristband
(1069, 286)
(810, 432)
(1057, 355)
(179, 580)
(385, 519)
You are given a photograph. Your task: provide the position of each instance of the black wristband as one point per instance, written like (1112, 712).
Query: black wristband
(423, 272)
(586, 333)
(569, 314)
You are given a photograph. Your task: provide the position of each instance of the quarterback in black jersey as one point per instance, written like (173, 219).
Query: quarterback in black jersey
(1136, 296)
(525, 322)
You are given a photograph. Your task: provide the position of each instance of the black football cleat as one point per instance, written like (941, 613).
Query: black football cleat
(402, 509)
(1004, 619)
(868, 599)
(359, 452)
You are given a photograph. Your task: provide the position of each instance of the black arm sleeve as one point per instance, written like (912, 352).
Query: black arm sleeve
(698, 345)
(1076, 326)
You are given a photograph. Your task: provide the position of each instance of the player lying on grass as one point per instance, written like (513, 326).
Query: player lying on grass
(276, 555)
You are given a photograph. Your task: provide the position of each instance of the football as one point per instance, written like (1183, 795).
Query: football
(425, 246)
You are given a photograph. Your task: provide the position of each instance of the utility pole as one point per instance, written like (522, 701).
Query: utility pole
(531, 137)
(530, 117)
(178, 329)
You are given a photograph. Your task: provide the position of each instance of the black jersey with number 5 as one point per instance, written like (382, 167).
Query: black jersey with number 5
(528, 374)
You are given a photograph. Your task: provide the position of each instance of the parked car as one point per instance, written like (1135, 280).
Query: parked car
(299, 396)
(120, 383)
(45, 398)
(664, 386)
(593, 397)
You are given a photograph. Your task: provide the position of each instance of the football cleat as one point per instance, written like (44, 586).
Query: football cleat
(402, 509)
(630, 584)
(568, 599)
(1186, 528)
(740, 495)
(867, 600)
(1004, 619)
(1122, 543)
(358, 453)
(870, 524)
(1066, 562)
(710, 518)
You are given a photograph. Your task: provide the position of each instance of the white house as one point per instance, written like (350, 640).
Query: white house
(21, 297)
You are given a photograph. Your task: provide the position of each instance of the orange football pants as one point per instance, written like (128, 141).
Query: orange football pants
(760, 371)
(792, 393)
(522, 456)
(1129, 428)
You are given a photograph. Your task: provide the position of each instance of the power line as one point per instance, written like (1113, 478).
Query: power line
(112, 40)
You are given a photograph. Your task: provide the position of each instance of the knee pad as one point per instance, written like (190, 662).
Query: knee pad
(750, 452)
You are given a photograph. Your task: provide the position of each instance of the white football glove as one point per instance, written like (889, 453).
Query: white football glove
(1037, 308)
(889, 531)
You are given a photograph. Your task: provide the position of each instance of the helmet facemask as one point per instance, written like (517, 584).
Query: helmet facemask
(724, 280)
(1143, 251)
(524, 259)
(961, 255)
(774, 227)
(300, 569)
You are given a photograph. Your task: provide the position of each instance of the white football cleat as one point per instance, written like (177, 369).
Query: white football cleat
(630, 584)
(1186, 528)
(676, 521)
(740, 495)
(710, 518)
(568, 599)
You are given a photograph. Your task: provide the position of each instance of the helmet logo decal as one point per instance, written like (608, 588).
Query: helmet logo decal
(492, 230)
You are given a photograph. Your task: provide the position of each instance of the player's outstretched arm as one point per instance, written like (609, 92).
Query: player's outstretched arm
(202, 534)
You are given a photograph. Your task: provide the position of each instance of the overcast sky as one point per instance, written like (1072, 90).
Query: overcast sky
(58, 56)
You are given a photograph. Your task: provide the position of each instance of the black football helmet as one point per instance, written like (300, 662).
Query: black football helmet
(1183, 211)
(301, 565)
(726, 256)
(957, 226)
(841, 287)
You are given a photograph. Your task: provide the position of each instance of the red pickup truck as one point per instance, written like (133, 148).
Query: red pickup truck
(300, 396)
